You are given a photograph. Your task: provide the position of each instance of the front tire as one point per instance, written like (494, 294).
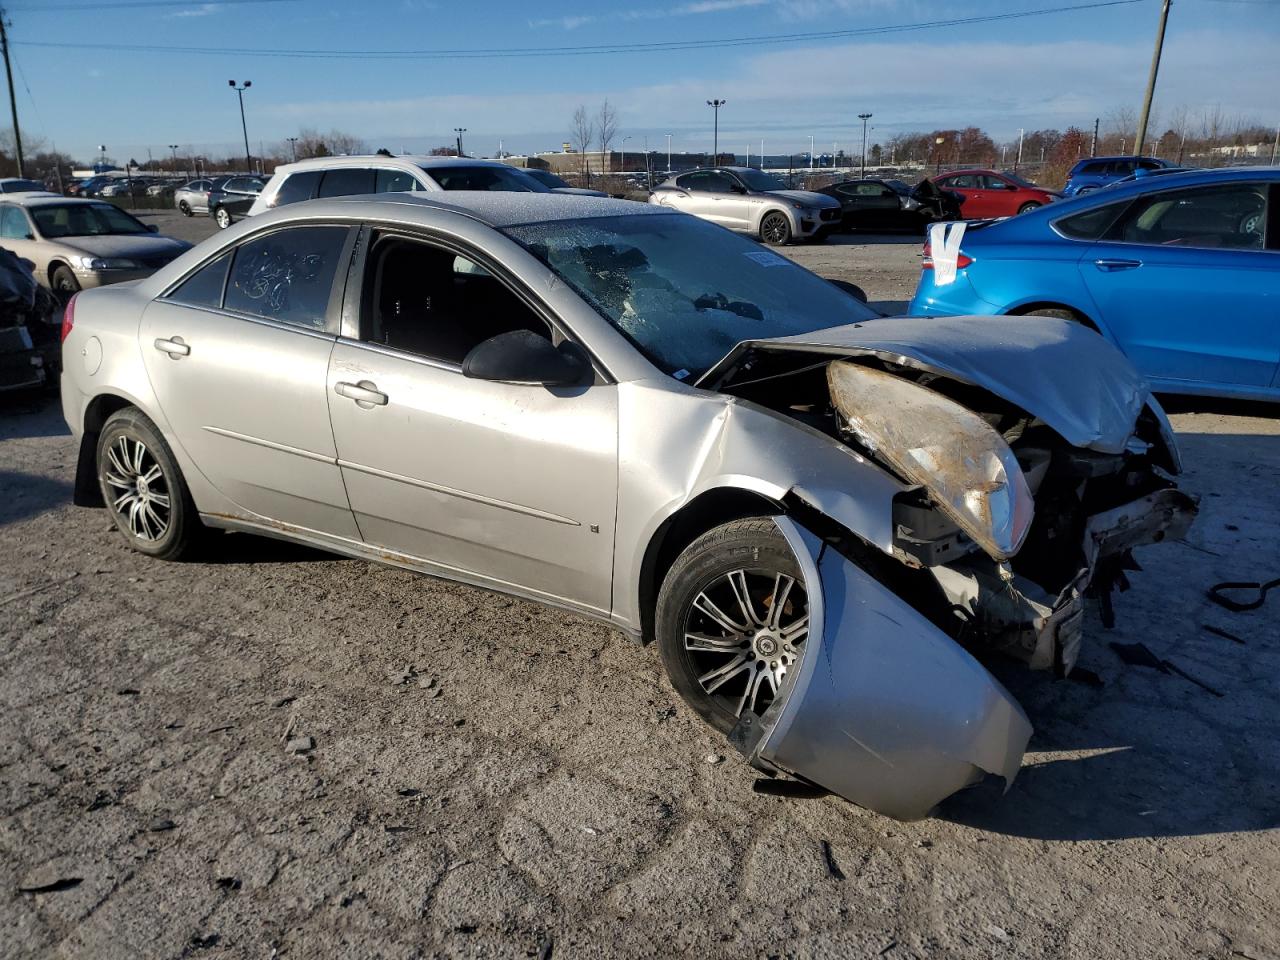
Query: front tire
(64, 283)
(143, 488)
(1028, 207)
(775, 229)
(732, 618)
(185, 209)
(222, 216)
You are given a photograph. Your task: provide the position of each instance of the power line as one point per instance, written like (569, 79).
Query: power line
(588, 50)
(56, 7)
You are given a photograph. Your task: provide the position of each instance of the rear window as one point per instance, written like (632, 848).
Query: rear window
(22, 186)
(346, 182)
(204, 287)
(485, 178)
(298, 187)
(1092, 224)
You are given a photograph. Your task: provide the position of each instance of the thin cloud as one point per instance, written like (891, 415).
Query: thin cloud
(204, 10)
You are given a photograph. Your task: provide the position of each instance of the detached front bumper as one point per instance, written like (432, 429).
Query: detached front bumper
(885, 709)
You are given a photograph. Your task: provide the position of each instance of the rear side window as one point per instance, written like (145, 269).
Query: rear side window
(204, 287)
(1091, 224)
(706, 182)
(1230, 216)
(298, 187)
(287, 275)
(395, 181)
(13, 224)
(1092, 169)
(346, 182)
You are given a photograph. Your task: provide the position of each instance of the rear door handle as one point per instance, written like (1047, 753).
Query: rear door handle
(174, 347)
(1107, 266)
(365, 393)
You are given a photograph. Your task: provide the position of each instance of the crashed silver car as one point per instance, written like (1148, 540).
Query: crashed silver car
(824, 519)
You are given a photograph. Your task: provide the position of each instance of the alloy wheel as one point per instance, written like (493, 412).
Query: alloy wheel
(743, 632)
(775, 229)
(141, 492)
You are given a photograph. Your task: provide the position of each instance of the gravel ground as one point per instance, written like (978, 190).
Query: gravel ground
(275, 752)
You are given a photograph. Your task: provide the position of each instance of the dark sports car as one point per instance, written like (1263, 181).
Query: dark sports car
(892, 205)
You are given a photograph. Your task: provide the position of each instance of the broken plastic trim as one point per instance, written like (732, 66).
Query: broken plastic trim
(885, 709)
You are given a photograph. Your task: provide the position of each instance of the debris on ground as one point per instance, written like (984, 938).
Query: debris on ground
(54, 886)
(1218, 596)
(300, 745)
(829, 858)
(714, 758)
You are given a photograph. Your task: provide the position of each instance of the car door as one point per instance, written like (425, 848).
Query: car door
(712, 197)
(238, 356)
(1186, 284)
(508, 485)
(1000, 198)
(968, 185)
(241, 192)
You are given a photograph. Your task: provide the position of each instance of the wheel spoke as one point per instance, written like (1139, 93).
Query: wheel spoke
(115, 480)
(712, 680)
(753, 689)
(741, 593)
(116, 462)
(154, 474)
(160, 499)
(156, 520)
(797, 630)
(119, 503)
(138, 452)
(706, 605)
(703, 643)
(782, 585)
(136, 522)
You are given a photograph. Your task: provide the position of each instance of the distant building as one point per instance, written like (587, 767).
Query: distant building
(1243, 150)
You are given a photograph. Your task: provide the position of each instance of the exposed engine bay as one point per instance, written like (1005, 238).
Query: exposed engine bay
(1007, 526)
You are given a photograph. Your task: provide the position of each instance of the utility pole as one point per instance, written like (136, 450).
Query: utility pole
(248, 160)
(668, 153)
(459, 131)
(864, 117)
(1018, 161)
(811, 153)
(1275, 148)
(715, 150)
(1139, 142)
(173, 148)
(1093, 147)
(13, 100)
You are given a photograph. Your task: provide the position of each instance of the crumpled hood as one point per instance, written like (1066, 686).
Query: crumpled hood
(1056, 370)
(806, 197)
(138, 245)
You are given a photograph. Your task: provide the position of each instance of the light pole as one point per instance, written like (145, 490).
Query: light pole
(668, 153)
(715, 149)
(293, 148)
(173, 147)
(102, 156)
(623, 162)
(459, 131)
(864, 117)
(1018, 161)
(248, 160)
(811, 154)
(937, 146)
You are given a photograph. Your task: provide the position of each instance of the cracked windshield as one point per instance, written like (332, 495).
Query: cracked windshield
(685, 291)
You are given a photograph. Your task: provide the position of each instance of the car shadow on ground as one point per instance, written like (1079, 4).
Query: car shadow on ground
(28, 415)
(864, 237)
(25, 495)
(234, 548)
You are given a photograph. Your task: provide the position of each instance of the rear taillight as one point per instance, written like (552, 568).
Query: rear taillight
(68, 317)
(962, 260)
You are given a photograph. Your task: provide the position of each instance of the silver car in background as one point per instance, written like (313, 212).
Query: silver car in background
(193, 197)
(751, 201)
(822, 518)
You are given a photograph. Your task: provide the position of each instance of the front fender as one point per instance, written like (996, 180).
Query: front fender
(885, 709)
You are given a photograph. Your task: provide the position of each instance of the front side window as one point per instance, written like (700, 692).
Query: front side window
(962, 182)
(13, 224)
(1230, 216)
(429, 301)
(395, 181)
(84, 220)
(547, 178)
(500, 178)
(298, 187)
(346, 182)
(683, 290)
(708, 181)
(204, 287)
(287, 275)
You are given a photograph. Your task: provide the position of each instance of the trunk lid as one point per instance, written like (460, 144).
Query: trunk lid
(1056, 370)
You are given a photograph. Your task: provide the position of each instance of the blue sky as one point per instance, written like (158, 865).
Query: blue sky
(1043, 71)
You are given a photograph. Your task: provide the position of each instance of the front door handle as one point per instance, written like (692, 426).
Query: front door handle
(365, 393)
(1107, 266)
(174, 347)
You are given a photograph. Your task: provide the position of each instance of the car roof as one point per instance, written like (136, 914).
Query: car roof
(1124, 156)
(1182, 178)
(967, 170)
(402, 162)
(45, 199)
(495, 208)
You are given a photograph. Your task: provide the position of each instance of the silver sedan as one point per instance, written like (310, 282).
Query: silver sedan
(825, 520)
(751, 201)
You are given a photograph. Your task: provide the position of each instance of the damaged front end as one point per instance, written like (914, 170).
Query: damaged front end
(1035, 460)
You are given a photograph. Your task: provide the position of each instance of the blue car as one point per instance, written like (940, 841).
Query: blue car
(1181, 272)
(1094, 172)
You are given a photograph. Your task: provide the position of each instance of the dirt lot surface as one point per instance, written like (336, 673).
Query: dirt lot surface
(275, 752)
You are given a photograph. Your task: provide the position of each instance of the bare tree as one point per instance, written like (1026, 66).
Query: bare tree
(606, 128)
(313, 143)
(581, 130)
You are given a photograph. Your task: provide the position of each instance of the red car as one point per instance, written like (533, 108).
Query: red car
(990, 194)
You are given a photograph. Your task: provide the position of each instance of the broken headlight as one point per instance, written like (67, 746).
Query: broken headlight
(965, 465)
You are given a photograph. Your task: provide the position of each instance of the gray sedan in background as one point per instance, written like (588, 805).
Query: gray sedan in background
(825, 520)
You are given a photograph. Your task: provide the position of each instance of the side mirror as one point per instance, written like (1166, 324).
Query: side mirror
(521, 356)
(153, 228)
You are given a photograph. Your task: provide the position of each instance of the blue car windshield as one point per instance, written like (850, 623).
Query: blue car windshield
(685, 291)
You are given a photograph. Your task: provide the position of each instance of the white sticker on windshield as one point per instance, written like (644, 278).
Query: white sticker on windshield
(766, 259)
(944, 247)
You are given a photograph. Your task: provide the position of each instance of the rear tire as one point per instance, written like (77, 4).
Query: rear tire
(775, 229)
(1061, 313)
(1028, 207)
(222, 216)
(185, 209)
(64, 283)
(143, 488)
(740, 655)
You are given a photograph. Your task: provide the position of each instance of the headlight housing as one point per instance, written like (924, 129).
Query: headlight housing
(967, 468)
(107, 263)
